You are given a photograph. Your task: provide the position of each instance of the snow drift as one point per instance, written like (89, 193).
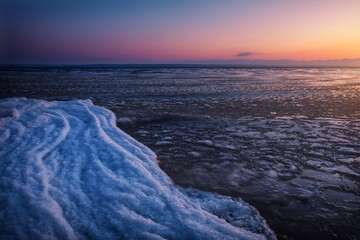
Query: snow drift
(67, 172)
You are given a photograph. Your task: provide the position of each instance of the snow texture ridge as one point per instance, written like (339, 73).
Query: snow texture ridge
(67, 172)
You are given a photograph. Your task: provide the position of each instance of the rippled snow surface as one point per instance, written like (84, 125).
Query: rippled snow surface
(68, 172)
(286, 140)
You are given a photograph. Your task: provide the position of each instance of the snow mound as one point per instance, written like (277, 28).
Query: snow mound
(67, 172)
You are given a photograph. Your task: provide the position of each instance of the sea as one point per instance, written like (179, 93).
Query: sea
(285, 140)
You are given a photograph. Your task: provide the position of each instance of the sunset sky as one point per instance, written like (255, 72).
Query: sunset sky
(86, 32)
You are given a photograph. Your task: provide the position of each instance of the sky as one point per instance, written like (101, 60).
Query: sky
(169, 31)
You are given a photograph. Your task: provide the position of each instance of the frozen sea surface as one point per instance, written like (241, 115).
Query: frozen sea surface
(286, 140)
(67, 172)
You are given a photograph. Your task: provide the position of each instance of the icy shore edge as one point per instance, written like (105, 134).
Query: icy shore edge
(67, 172)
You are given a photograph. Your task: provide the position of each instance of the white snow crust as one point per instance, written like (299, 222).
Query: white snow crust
(67, 172)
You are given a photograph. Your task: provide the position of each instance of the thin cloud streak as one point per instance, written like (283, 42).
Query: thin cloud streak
(245, 54)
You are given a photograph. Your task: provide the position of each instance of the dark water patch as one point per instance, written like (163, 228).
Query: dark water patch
(134, 122)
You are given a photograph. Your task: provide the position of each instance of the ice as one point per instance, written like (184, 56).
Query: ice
(143, 132)
(67, 172)
(350, 160)
(163, 143)
(206, 142)
(126, 121)
(272, 173)
(194, 154)
(348, 150)
(306, 133)
(293, 168)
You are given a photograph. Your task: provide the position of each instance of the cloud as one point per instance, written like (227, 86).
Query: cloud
(244, 54)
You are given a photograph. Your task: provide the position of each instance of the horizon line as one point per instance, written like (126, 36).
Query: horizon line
(344, 62)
